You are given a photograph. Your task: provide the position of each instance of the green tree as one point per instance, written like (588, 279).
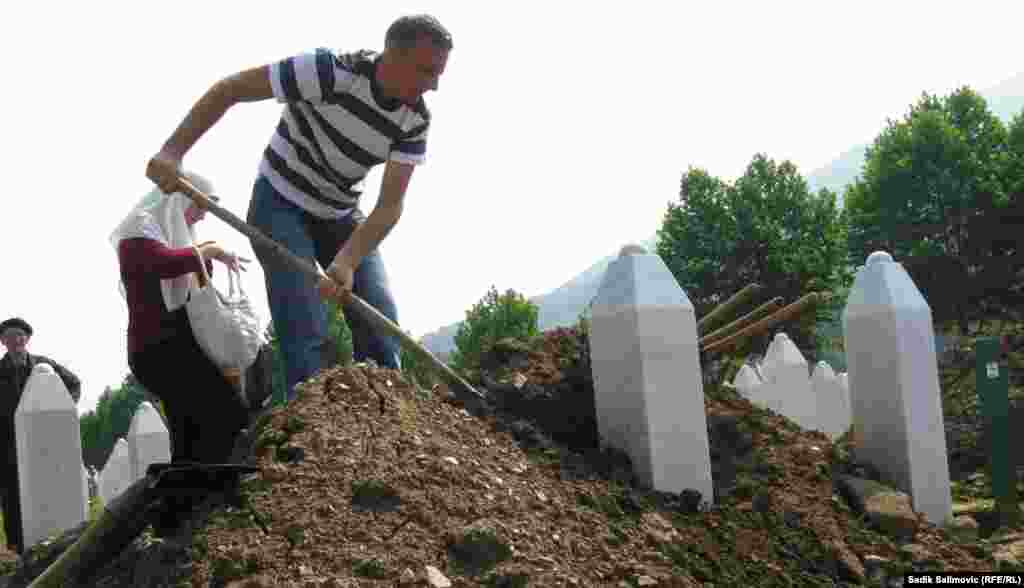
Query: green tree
(340, 336)
(277, 361)
(102, 427)
(934, 191)
(494, 317)
(418, 371)
(1003, 229)
(766, 227)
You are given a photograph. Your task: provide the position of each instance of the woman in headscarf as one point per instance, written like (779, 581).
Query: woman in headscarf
(158, 263)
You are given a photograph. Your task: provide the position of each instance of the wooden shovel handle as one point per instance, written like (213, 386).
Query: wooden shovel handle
(462, 389)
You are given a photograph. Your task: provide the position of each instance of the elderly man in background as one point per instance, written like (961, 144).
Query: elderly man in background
(15, 369)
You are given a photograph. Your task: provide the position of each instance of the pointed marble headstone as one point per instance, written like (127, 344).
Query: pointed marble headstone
(117, 473)
(85, 492)
(647, 378)
(759, 368)
(94, 489)
(789, 382)
(770, 398)
(148, 440)
(748, 383)
(49, 449)
(844, 394)
(894, 384)
(833, 415)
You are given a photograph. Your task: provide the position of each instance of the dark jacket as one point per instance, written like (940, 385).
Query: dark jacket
(12, 384)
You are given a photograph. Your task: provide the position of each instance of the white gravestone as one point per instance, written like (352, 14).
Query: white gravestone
(85, 492)
(49, 449)
(788, 382)
(748, 383)
(894, 384)
(647, 378)
(117, 472)
(833, 414)
(844, 389)
(148, 440)
(94, 483)
(769, 398)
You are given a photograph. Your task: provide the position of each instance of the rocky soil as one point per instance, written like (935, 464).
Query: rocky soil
(371, 480)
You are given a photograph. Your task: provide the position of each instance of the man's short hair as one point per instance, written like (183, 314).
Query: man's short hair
(407, 31)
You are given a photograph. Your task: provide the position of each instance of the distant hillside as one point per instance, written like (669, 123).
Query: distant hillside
(442, 341)
(558, 308)
(563, 305)
(1005, 99)
(843, 171)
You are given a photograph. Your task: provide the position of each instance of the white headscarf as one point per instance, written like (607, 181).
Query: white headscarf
(161, 217)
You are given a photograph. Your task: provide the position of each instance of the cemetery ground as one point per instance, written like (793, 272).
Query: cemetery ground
(371, 480)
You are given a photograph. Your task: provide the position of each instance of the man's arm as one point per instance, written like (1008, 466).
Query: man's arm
(383, 218)
(250, 85)
(369, 234)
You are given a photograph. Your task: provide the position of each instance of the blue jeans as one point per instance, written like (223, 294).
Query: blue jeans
(299, 315)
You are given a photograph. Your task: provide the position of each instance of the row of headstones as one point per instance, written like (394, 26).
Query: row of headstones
(53, 483)
(817, 401)
(649, 396)
(148, 442)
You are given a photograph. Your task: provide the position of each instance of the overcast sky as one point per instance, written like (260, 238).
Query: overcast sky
(560, 129)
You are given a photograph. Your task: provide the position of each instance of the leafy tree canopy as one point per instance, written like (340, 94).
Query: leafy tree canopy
(941, 191)
(766, 227)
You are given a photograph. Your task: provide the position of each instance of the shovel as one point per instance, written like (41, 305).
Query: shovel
(468, 395)
(126, 516)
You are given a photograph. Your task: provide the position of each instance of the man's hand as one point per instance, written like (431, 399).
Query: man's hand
(337, 283)
(164, 170)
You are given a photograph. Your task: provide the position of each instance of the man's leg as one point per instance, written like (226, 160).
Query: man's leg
(370, 283)
(12, 509)
(299, 316)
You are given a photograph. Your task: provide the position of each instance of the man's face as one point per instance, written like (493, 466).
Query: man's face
(418, 70)
(15, 340)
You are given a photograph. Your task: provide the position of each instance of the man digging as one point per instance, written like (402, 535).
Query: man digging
(343, 115)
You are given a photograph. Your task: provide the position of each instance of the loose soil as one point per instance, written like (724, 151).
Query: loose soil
(368, 480)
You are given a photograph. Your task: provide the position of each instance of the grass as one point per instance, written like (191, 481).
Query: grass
(369, 568)
(979, 504)
(95, 509)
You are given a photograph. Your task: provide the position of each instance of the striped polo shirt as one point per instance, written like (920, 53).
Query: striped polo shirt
(335, 126)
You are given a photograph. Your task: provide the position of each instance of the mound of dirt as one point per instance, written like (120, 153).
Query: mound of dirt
(368, 480)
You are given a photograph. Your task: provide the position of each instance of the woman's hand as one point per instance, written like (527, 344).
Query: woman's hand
(211, 250)
(235, 262)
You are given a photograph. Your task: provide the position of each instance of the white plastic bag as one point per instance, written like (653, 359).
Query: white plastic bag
(226, 328)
